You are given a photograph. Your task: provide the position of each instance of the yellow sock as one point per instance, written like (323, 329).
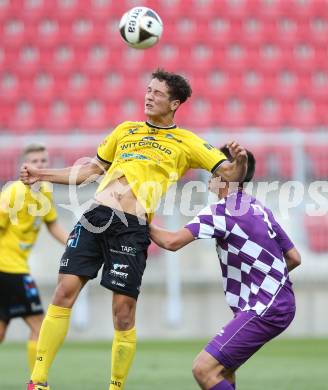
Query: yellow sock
(123, 351)
(52, 334)
(31, 353)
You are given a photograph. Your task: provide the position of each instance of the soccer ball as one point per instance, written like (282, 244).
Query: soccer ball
(141, 27)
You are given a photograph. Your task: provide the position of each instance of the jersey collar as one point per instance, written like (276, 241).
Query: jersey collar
(159, 127)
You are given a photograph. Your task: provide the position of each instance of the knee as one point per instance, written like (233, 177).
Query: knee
(200, 372)
(123, 316)
(64, 296)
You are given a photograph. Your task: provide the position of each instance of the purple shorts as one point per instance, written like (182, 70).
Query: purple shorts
(246, 334)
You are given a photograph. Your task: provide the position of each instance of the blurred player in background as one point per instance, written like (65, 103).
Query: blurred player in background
(140, 160)
(23, 209)
(256, 256)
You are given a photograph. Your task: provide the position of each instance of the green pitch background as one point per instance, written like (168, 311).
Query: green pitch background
(296, 364)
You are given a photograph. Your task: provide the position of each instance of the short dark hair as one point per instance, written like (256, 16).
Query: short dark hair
(179, 87)
(251, 163)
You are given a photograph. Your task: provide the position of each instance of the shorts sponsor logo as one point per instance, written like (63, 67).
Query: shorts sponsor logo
(123, 275)
(125, 250)
(120, 266)
(36, 306)
(64, 262)
(129, 249)
(119, 284)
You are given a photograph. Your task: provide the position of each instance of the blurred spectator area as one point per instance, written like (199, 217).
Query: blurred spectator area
(255, 66)
(252, 63)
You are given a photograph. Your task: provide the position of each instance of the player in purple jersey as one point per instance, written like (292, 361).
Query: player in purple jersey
(256, 256)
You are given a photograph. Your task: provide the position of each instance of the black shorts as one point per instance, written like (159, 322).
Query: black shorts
(19, 296)
(118, 241)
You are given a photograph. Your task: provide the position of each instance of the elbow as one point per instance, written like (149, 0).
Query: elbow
(172, 245)
(297, 260)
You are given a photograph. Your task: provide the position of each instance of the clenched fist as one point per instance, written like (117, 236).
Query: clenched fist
(29, 175)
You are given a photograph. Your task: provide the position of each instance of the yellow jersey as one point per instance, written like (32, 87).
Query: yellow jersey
(152, 158)
(22, 211)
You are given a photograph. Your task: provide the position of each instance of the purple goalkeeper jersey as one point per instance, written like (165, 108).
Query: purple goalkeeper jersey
(250, 244)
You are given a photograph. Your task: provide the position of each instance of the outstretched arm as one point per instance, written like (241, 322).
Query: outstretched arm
(76, 174)
(234, 171)
(57, 232)
(293, 259)
(170, 240)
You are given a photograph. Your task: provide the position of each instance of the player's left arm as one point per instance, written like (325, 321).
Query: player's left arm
(171, 241)
(57, 232)
(235, 170)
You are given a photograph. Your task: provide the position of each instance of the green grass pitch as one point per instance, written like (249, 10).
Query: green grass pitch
(296, 364)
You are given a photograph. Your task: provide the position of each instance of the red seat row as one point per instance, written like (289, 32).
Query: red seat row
(317, 233)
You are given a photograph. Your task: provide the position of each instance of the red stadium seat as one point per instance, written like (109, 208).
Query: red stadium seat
(49, 33)
(11, 88)
(269, 114)
(62, 60)
(318, 158)
(24, 118)
(9, 162)
(44, 88)
(317, 233)
(303, 114)
(99, 60)
(289, 85)
(318, 30)
(28, 61)
(283, 161)
(198, 116)
(33, 11)
(14, 33)
(59, 117)
(261, 154)
(318, 88)
(94, 117)
(233, 113)
(83, 33)
(78, 88)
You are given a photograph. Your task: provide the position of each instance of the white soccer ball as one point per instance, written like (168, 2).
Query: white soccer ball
(141, 27)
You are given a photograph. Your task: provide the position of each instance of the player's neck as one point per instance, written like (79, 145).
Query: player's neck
(161, 121)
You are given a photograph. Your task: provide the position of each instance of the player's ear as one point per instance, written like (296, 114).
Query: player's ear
(175, 104)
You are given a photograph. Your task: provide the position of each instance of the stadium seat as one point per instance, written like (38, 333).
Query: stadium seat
(28, 61)
(269, 114)
(59, 117)
(317, 233)
(99, 60)
(11, 88)
(303, 114)
(318, 88)
(13, 33)
(43, 88)
(318, 159)
(63, 59)
(24, 118)
(93, 117)
(9, 161)
(261, 154)
(318, 30)
(82, 33)
(78, 88)
(233, 113)
(283, 161)
(49, 33)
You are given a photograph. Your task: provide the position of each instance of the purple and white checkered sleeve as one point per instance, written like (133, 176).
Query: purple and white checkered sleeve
(282, 238)
(204, 224)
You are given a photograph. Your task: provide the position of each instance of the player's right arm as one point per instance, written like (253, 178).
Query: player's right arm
(293, 259)
(75, 174)
(171, 241)
(80, 173)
